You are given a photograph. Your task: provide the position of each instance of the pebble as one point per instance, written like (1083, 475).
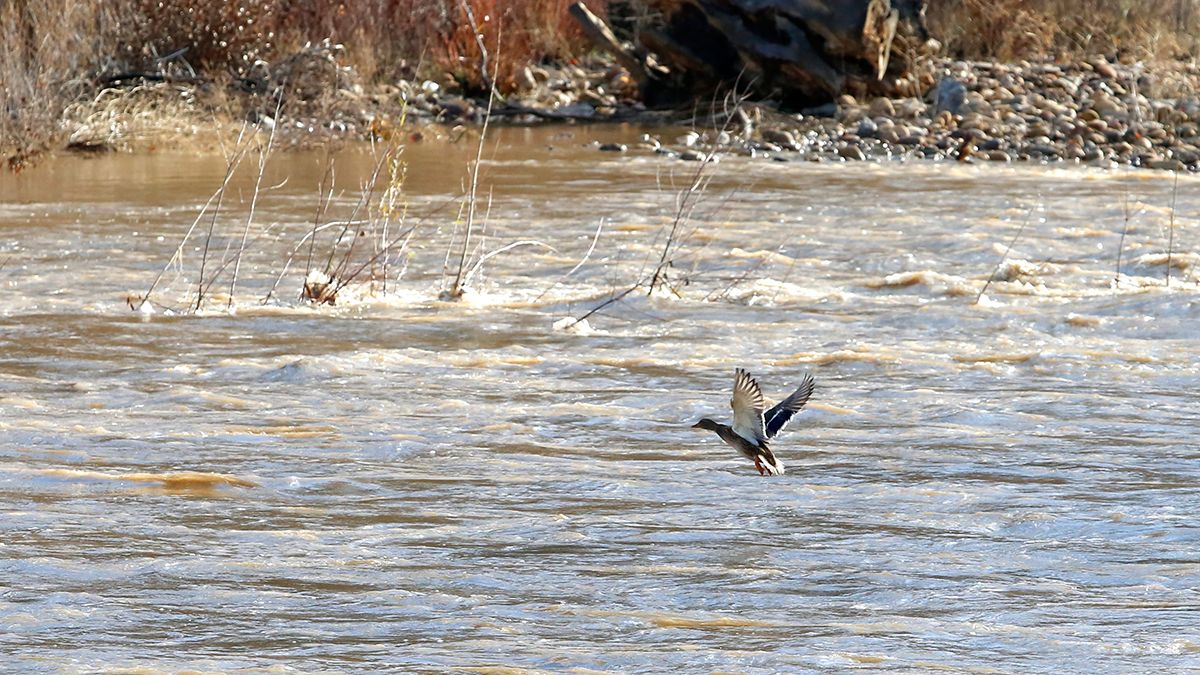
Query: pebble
(851, 152)
(779, 137)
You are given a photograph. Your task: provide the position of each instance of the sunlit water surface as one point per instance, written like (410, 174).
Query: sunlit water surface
(396, 482)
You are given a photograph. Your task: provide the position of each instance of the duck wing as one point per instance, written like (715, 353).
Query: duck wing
(777, 418)
(747, 404)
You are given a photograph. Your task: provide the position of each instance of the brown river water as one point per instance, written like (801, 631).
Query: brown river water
(401, 483)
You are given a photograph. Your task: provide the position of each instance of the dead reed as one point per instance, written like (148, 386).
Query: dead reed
(687, 199)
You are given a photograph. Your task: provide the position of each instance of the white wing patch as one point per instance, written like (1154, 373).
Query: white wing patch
(747, 404)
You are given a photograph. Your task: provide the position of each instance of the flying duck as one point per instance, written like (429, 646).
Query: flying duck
(751, 427)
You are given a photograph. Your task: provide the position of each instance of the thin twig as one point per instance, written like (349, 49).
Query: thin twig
(1171, 236)
(456, 288)
(684, 207)
(584, 259)
(263, 155)
(616, 298)
(309, 236)
(1005, 256)
(342, 283)
(1124, 230)
(324, 197)
(737, 280)
(212, 223)
(487, 81)
(363, 198)
(178, 254)
(687, 200)
(488, 256)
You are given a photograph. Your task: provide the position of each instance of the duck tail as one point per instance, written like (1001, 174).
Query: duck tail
(773, 464)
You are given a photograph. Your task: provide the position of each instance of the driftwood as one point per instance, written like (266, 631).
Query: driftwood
(799, 52)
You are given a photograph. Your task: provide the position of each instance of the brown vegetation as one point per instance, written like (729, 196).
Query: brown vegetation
(58, 52)
(1006, 30)
(62, 52)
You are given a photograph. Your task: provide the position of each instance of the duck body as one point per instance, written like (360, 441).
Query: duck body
(753, 427)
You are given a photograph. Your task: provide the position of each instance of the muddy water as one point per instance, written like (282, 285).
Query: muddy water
(394, 482)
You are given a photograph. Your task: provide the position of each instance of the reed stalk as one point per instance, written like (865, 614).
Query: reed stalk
(1171, 229)
(1004, 257)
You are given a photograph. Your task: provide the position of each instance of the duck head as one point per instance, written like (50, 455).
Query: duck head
(705, 424)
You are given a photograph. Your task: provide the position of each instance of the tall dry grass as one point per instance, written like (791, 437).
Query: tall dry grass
(58, 51)
(1007, 30)
(48, 46)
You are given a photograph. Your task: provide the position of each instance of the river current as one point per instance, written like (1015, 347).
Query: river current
(1006, 482)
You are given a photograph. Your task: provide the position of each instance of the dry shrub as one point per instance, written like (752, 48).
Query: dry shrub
(47, 45)
(216, 35)
(57, 52)
(384, 39)
(520, 31)
(1016, 29)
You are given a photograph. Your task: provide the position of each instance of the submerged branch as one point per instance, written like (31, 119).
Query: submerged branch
(1004, 257)
(488, 256)
(1124, 230)
(584, 259)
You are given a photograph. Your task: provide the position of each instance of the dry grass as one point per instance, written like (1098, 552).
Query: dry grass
(63, 52)
(1008, 30)
(47, 47)
(60, 52)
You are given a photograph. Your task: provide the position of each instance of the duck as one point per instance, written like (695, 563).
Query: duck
(752, 427)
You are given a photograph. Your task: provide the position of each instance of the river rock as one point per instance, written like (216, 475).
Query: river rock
(1166, 164)
(949, 96)
(882, 107)
(779, 137)
(1043, 149)
(1105, 105)
(851, 152)
(910, 108)
(1103, 69)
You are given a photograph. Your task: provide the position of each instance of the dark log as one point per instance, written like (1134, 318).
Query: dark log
(602, 36)
(799, 52)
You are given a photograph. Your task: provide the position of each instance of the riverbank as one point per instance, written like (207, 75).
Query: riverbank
(1089, 111)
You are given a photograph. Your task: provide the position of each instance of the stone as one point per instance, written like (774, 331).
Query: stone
(779, 137)
(1104, 69)
(851, 152)
(882, 107)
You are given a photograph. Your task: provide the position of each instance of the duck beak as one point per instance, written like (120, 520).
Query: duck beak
(697, 426)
